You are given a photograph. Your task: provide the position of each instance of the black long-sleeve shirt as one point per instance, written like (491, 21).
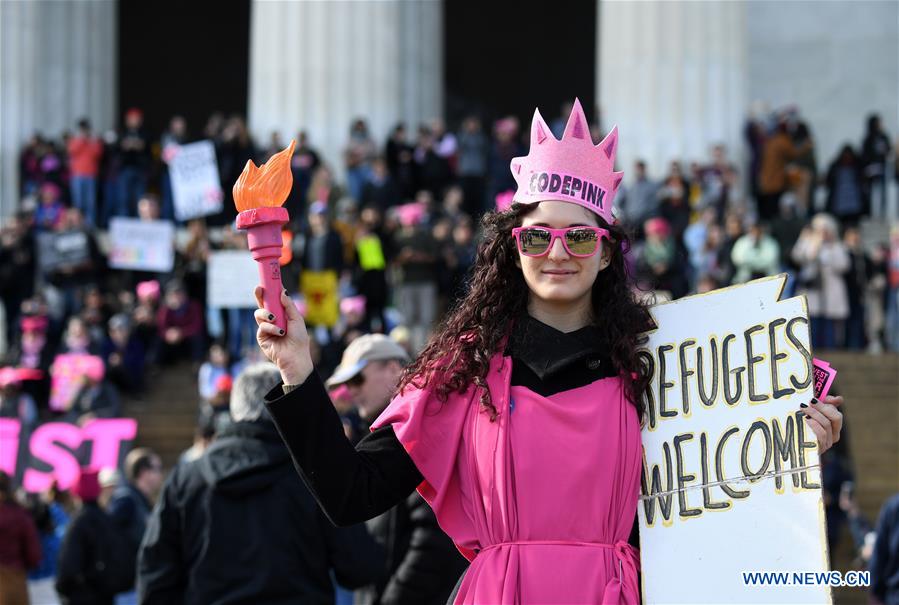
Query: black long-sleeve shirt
(356, 484)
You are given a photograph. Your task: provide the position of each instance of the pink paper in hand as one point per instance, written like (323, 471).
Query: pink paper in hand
(824, 375)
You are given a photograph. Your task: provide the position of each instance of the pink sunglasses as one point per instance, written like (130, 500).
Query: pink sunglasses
(581, 241)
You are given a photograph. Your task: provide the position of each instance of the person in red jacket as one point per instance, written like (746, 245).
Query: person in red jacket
(20, 548)
(85, 151)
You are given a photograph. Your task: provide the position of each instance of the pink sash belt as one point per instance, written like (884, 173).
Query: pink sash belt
(628, 564)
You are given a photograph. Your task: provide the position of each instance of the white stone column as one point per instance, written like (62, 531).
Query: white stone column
(317, 65)
(672, 76)
(57, 65)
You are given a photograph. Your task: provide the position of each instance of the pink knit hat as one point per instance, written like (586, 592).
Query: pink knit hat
(87, 487)
(148, 289)
(504, 200)
(352, 304)
(410, 214)
(34, 323)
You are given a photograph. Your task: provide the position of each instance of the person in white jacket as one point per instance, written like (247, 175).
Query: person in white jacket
(822, 260)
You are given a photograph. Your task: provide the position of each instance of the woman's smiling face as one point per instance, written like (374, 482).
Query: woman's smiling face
(558, 277)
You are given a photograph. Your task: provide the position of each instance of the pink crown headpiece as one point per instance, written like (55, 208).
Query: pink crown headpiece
(571, 170)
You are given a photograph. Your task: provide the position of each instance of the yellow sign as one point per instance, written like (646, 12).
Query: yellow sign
(319, 288)
(371, 257)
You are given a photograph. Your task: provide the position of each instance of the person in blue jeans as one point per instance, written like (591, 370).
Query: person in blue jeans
(134, 163)
(85, 151)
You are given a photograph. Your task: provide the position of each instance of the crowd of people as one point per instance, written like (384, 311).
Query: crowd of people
(385, 251)
(77, 545)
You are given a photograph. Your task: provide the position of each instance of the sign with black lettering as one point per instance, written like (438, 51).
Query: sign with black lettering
(196, 188)
(568, 186)
(731, 481)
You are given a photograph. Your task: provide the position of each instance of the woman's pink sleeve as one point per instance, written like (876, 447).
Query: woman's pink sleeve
(431, 432)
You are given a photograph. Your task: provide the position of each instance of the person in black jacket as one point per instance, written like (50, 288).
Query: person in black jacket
(88, 572)
(18, 261)
(131, 501)
(237, 526)
(875, 150)
(884, 564)
(422, 562)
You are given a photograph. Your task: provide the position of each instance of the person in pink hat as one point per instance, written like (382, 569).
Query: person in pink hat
(519, 422)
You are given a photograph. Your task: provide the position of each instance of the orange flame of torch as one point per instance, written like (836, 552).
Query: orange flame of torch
(268, 185)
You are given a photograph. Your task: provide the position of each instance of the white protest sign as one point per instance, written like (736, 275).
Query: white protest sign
(231, 277)
(141, 245)
(196, 188)
(731, 482)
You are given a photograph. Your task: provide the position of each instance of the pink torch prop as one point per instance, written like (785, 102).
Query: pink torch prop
(258, 195)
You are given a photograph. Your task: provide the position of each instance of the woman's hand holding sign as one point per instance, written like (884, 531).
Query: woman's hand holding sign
(825, 420)
(288, 348)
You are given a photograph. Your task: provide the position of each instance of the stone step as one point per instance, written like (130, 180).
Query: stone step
(167, 414)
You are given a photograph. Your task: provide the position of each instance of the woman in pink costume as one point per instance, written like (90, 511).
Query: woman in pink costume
(519, 422)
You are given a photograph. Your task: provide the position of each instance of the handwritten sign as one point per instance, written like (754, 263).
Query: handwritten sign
(231, 277)
(63, 249)
(196, 187)
(141, 245)
(731, 481)
(55, 451)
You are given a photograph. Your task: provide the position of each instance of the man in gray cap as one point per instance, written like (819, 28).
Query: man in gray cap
(235, 525)
(422, 561)
(370, 368)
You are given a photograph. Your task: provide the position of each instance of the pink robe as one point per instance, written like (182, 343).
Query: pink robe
(542, 500)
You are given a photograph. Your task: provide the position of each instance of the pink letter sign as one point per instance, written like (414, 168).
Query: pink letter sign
(9, 445)
(56, 450)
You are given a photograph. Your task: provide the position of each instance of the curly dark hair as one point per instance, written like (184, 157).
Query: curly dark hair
(459, 353)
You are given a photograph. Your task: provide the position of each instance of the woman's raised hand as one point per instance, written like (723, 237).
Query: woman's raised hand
(288, 349)
(825, 420)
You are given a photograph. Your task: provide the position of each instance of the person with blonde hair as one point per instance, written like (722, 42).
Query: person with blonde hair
(823, 260)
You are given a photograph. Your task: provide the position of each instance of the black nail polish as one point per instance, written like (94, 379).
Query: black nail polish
(814, 400)
(803, 405)
(281, 332)
(271, 317)
(285, 291)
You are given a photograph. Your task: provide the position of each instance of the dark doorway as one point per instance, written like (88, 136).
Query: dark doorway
(504, 58)
(187, 58)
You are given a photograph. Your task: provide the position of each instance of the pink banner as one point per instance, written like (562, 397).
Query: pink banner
(56, 450)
